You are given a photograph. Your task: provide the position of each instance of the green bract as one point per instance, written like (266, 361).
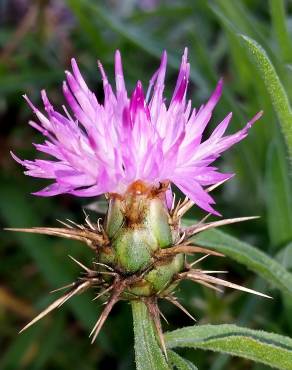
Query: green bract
(138, 226)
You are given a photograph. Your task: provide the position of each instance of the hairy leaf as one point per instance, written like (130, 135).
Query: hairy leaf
(179, 362)
(260, 346)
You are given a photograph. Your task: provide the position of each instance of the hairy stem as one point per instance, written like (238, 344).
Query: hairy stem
(148, 354)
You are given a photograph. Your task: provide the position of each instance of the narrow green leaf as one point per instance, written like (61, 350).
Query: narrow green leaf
(277, 10)
(260, 346)
(249, 256)
(285, 256)
(278, 195)
(179, 362)
(148, 354)
(273, 85)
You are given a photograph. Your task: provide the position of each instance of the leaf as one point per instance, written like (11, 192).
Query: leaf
(268, 348)
(278, 195)
(273, 85)
(148, 354)
(179, 362)
(277, 10)
(253, 258)
(285, 256)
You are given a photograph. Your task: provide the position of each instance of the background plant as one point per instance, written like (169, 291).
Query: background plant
(246, 42)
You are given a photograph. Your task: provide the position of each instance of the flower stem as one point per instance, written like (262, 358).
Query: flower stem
(148, 354)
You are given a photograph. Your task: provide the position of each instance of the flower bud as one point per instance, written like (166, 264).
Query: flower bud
(137, 225)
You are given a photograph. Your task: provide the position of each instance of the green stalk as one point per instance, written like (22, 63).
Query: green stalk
(148, 355)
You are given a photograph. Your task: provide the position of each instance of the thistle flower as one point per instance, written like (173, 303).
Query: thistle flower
(132, 149)
(104, 148)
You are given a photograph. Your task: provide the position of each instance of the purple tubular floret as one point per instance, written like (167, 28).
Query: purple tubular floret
(104, 148)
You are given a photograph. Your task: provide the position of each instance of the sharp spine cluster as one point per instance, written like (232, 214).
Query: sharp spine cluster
(115, 285)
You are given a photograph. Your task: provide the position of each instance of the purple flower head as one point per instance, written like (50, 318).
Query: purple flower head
(106, 147)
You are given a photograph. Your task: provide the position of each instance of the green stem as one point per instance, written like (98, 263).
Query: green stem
(148, 354)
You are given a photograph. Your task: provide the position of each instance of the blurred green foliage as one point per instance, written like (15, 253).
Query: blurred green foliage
(37, 40)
